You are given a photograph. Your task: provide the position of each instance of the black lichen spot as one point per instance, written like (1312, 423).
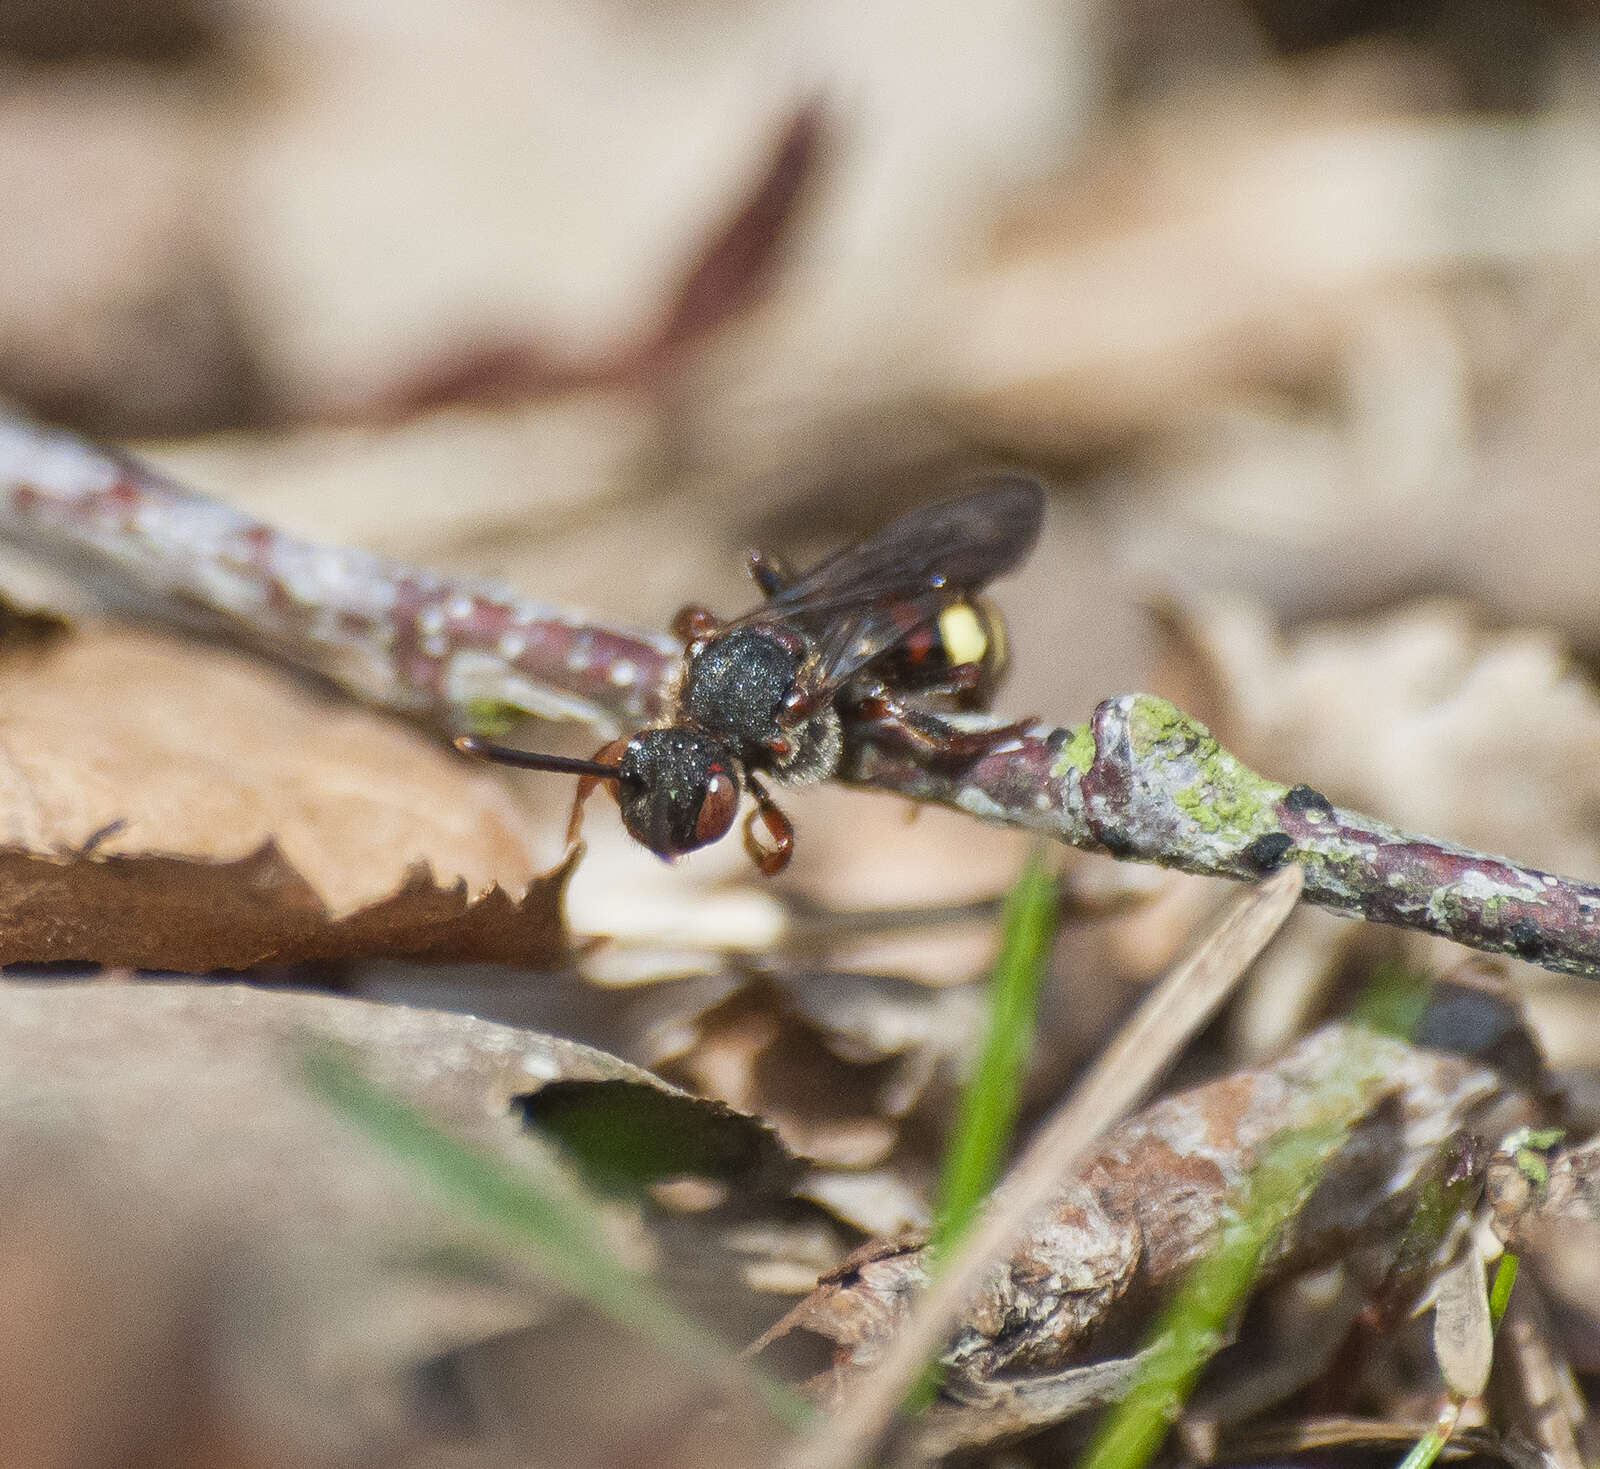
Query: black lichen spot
(1267, 852)
(1304, 798)
(1055, 740)
(1526, 939)
(1116, 842)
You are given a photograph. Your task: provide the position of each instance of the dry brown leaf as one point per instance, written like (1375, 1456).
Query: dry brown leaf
(570, 166)
(165, 1163)
(168, 806)
(735, 268)
(835, 1062)
(118, 314)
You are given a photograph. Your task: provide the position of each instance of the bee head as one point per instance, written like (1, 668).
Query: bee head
(678, 790)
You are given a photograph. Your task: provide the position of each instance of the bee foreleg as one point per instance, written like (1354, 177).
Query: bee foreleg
(771, 860)
(605, 755)
(694, 622)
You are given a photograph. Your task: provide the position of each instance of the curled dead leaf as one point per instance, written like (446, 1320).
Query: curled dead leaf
(1463, 1334)
(169, 806)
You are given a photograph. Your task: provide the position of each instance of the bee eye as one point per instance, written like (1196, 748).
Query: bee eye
(718, 808)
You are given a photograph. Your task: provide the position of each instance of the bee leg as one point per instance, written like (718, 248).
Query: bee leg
(967, 686)
(886, 720)
(606, 755)
(693, 622)
(769, 571)
(771, 860)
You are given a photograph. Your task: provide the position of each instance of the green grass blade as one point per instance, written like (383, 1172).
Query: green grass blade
(563, 1232)
(987, 1113)
(1505, 1276)
(1194, 1324)
(1424, 1451)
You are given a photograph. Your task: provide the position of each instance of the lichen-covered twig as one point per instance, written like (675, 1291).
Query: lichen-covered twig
(1140, 780)
(1144, 781)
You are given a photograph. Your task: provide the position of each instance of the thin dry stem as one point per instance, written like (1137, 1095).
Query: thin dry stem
(1125, 1071)
(1542, 1394)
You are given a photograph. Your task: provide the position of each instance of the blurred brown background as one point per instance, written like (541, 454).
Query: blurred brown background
(1293, 303)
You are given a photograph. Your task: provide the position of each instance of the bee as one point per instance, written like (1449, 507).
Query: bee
(872, 643)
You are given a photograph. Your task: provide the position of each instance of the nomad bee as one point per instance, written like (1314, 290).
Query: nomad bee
(831, 655)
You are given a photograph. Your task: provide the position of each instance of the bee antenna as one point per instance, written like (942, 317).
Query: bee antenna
(470, 744)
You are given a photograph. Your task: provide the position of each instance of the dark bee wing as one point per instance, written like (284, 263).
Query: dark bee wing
(960, 544)
(868, 598)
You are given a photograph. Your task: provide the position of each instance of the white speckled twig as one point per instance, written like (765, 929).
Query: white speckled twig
(393, 635)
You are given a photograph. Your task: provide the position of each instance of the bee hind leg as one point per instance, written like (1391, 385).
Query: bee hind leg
(769, 571)
(967, 687)
(884, 719)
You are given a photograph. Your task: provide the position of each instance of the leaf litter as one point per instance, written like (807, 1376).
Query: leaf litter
(344, 1302)
(1186, 261)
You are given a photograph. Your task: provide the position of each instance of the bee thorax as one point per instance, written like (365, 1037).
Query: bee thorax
(736, 683)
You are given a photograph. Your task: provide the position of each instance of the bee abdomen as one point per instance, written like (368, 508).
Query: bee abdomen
(960, 653)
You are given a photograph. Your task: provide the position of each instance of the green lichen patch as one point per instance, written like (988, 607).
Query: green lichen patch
(1077, 754)
(492, 717)
(1154, 722)
(1529, 1148)
(1225, 797)
(1342, 869)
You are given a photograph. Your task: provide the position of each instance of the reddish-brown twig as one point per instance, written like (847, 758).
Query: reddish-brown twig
(458, 651)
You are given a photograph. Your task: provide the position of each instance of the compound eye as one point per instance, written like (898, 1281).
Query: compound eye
(717, 809)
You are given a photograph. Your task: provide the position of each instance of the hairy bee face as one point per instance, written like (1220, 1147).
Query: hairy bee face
(678, 789)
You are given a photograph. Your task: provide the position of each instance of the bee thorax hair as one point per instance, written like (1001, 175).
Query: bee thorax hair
(817, 745)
